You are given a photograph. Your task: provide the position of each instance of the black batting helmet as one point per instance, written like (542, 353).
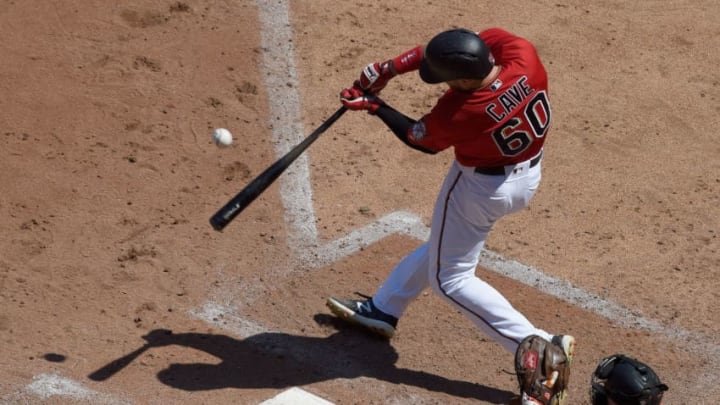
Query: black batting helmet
(456, 54)
(626, 381)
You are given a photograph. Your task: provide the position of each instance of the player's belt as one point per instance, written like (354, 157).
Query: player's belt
(500, 170)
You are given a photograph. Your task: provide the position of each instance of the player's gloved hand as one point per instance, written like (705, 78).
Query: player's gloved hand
(375, 77)
(355, 98)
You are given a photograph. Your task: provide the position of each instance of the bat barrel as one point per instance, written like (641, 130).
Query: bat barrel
(237, 204)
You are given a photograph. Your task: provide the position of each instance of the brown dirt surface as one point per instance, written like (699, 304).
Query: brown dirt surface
(109, 177)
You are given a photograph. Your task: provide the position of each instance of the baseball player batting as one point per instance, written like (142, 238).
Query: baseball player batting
(495, 114)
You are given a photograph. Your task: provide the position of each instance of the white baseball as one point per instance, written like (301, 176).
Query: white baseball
(222, 137)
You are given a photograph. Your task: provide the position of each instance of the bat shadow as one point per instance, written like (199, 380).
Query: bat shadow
(280, 360)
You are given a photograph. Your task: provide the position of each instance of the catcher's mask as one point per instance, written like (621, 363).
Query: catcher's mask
(455, 54)
(626, 381)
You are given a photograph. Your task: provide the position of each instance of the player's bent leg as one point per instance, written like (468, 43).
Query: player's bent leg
(489, 310)
(404, 283)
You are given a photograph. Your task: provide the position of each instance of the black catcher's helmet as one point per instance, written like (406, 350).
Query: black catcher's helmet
(456, 54)
(626, 381)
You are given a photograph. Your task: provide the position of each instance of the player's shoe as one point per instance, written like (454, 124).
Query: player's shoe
(364, 313)
(567, 343)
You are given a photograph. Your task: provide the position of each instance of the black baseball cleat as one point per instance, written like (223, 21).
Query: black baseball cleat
(364, 313)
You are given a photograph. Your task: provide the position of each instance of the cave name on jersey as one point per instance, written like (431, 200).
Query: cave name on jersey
(509, 99)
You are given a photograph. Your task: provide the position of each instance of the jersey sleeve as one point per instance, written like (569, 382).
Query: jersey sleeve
(444, 125)
(418, 135)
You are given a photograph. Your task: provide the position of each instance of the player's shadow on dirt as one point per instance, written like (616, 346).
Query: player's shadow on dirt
(278, 360)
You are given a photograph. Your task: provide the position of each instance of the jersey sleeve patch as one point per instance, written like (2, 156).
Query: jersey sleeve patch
(418, 132)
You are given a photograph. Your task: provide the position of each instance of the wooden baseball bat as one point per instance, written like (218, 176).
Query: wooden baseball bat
(237, 204)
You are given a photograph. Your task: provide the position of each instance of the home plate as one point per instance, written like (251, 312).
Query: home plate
(296, 396)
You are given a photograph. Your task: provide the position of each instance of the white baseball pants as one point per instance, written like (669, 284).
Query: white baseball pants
(466, 209)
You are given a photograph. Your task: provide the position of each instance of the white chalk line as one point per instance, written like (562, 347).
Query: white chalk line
(48, 385)
(281, 81)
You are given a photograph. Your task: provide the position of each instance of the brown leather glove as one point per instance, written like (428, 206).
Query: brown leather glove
(542, 371)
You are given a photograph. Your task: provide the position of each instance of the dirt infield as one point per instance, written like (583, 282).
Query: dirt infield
(109, 177)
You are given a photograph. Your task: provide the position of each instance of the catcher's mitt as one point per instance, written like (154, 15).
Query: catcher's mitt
(542, 371)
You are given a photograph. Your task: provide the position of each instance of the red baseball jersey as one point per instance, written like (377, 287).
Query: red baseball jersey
(501, 124)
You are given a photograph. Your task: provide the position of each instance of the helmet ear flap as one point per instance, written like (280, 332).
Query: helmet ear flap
(606, 366)
(598, 394)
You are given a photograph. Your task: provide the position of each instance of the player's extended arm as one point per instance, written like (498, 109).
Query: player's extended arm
(401, 125)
